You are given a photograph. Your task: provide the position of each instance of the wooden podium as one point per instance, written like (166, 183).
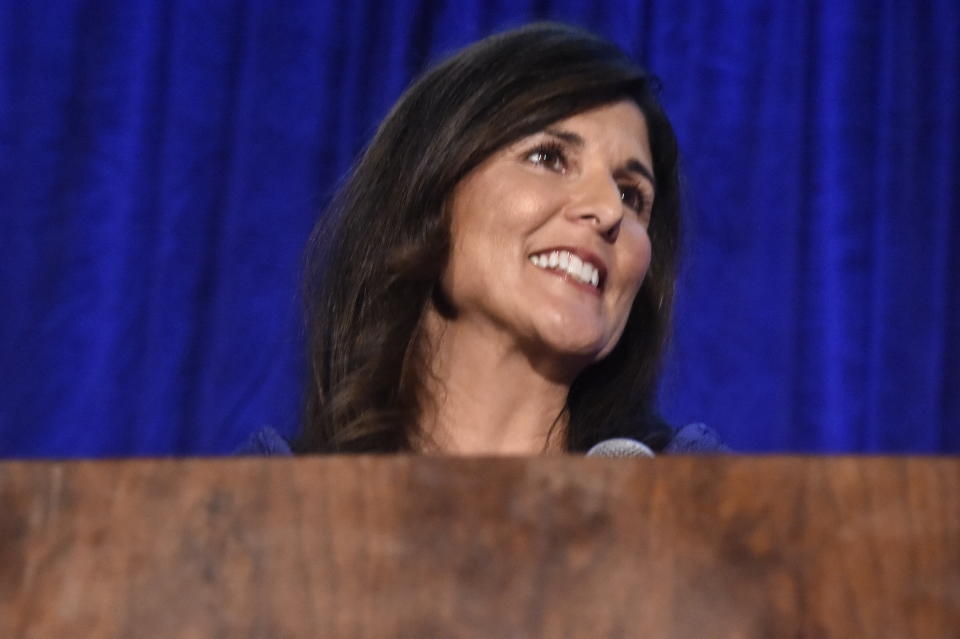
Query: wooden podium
(425, 547)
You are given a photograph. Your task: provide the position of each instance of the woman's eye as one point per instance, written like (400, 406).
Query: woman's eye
(551, 157)
(632, 197)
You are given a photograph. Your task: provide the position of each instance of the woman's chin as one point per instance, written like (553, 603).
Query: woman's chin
(578, 348)
(579, 328)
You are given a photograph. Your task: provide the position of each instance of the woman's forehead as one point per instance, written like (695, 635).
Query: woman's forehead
(620, 123)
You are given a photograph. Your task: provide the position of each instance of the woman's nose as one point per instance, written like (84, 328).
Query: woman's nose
(597, 202)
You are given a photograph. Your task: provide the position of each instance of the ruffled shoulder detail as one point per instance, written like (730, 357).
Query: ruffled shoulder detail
(266, 442)
(695, 439)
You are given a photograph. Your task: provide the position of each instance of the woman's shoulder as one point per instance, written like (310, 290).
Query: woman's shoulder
(265, 442)
(691, 439)
(695, 439)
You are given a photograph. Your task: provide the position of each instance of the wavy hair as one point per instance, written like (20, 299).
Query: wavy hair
(375, 259)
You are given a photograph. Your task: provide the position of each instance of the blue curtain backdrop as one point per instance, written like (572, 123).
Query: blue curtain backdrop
(161, 163)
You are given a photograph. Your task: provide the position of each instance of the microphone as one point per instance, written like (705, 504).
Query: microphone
(620, 447)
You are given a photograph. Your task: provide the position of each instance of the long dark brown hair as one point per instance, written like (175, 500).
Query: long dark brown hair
(375, 259)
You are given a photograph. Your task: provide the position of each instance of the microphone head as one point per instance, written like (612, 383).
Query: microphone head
(620, 447)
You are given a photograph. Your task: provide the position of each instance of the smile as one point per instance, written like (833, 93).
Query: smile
(566, 262)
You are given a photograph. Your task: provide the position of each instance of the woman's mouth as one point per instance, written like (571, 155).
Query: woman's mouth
(567, 263)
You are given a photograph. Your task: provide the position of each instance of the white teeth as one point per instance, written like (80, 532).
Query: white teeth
(570, 263)
(586, 272)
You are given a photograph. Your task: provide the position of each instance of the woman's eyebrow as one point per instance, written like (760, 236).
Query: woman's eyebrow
(632, 165)
(569, 137)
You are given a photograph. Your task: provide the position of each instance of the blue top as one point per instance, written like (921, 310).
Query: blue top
(691, 439)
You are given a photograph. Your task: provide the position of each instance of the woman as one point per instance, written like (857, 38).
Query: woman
(496, 276)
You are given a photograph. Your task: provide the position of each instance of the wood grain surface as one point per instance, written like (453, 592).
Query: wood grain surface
(426, 547)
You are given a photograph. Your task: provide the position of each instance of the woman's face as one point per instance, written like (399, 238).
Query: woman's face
(549, 235)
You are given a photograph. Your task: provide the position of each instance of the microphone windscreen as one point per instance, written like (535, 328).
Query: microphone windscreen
(620, 447)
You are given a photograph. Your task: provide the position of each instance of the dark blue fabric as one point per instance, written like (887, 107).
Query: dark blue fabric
(161, 163)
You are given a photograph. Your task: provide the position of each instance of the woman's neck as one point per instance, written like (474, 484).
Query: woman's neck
(488, 396)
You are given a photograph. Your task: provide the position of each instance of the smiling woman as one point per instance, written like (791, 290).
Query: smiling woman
(572, 203)
(496, 275)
